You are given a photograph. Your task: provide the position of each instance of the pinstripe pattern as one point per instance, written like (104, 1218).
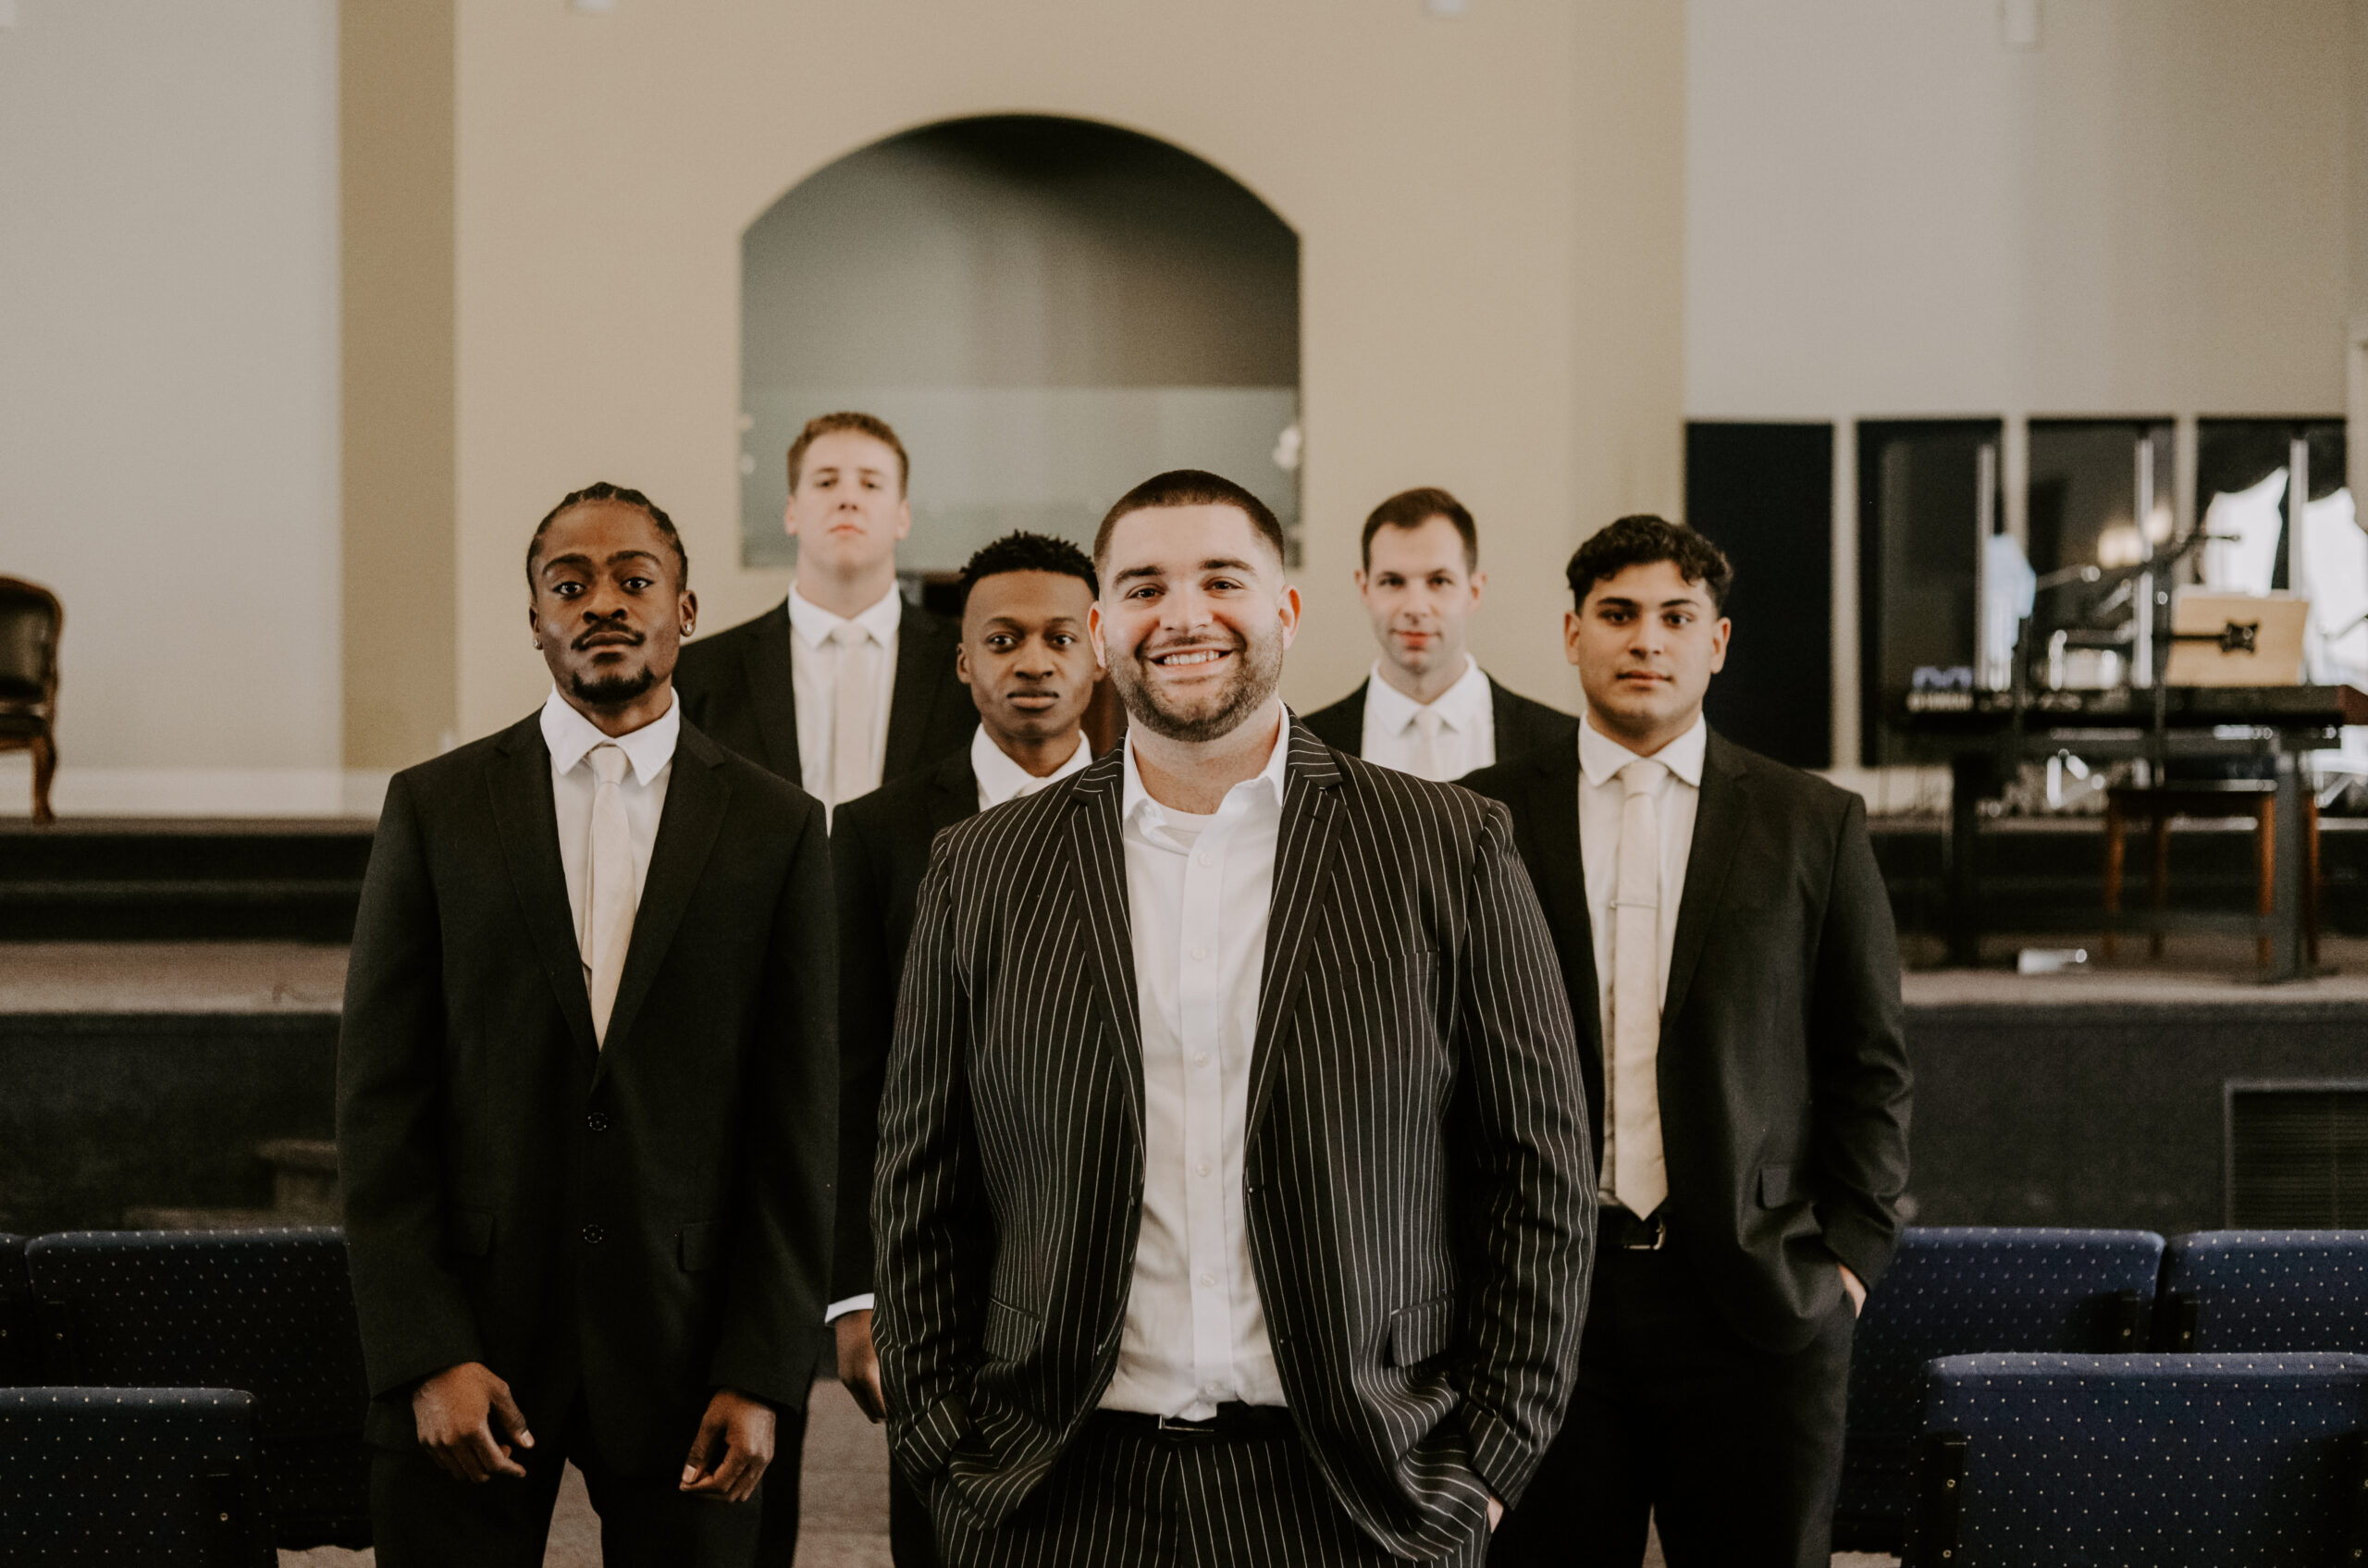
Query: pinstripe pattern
(1419, 1190)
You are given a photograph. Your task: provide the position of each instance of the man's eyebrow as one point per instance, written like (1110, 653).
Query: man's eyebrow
(1227, 564)
(1134, 572)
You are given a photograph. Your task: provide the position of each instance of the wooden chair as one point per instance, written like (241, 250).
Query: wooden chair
(30, 620)
(2256, 798)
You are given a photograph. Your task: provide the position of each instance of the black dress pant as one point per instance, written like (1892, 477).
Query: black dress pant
(1734, 1452)
(1125, 1494)
(912, 1540)
(423, 1518)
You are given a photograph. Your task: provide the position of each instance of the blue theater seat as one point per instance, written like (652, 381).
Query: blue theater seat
(1957, 1290)
(2163, 1460)
(268, 1311)
(2265, 1290)
(151, 1477)
(19, 1359)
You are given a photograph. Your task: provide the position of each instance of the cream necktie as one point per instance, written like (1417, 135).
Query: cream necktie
(609, 896)
(851, 715)
(1639, 1178)
(1427, 744)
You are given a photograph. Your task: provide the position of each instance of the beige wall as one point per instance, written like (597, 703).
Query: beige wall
(169, 393)
(395, 146)
(1487, 207)
(1891, 212)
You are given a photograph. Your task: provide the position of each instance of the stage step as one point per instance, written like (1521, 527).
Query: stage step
(303, 1180)
(161, 879)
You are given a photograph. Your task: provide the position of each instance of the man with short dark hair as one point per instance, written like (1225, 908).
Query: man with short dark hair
(1727, 946)
(586, 1078)
(843, 684)
(1233, 1196)
(1029, 665)
(1427, 707)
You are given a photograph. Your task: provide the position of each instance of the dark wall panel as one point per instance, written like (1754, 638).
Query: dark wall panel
(1765, 494)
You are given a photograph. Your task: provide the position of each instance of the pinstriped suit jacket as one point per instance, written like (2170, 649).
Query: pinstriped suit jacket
(1419, 1187)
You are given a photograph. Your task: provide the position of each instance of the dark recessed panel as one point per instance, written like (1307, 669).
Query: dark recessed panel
(1765, 494)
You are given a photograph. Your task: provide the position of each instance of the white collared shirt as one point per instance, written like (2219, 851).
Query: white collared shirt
(1198, 889)
(814, 680)
(649, 756)
(1001, 779)
(1601, 794)
(1465, 712)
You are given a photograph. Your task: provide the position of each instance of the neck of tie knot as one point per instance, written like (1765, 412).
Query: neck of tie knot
(1427, 721)
(1643, 776)
(848, 634)
(609, 763)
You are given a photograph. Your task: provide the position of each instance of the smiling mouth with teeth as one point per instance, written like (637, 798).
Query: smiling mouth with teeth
(1202, 656)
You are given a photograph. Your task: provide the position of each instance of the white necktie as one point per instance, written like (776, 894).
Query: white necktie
(1639, 1178)
(851, 716)
(1427, 744)
(608, 897)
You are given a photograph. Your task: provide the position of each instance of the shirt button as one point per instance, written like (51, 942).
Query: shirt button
(1213, 1390)
(1207, 858)
(1202, 1167)
(596, 1121)
(1200, 952)
(594, 1235)
(1208, 1280)
(1200, 1058)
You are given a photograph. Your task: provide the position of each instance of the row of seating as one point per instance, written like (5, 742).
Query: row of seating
(180, 1396)
(2029, 1396)
(230, 1361)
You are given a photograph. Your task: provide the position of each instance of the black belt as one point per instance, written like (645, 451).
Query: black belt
(1619, 1229)
(1233, 1419)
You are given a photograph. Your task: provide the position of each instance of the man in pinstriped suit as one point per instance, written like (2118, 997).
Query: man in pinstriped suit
(1234, 1201)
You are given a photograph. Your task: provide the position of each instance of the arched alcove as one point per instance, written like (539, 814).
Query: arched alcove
(1047, 309)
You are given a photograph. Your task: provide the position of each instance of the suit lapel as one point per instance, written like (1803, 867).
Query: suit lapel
(955, 796)
(923, 662)
(772, 691)
(1553, 817)
(527, 822)
(1305, 852)
(1098, 871)
(1717, 826)
(695, 796)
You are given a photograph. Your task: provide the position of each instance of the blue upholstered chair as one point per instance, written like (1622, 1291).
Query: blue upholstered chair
(18, 1356)
(268, 1311)
(136, 1478)
(2227, 1291)
(1955, 1290)
(2164, 1460)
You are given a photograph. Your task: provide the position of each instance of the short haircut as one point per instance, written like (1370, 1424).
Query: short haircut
(870, 425)
(1029, 552)
(1641, 540)
(603, 490)
(1412, 509)
(1188, 487)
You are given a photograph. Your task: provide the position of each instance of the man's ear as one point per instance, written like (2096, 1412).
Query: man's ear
(687, 612)
(1570, 635)
(962, 662)
(1093, 635)
(534, 626)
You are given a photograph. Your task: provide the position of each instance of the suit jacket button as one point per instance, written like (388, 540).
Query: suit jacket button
(596, 1120)
(594, 1235)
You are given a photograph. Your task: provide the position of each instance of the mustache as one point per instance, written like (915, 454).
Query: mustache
(1231, 640)
(630, 638)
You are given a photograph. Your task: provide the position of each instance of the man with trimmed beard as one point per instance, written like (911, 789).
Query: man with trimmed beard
(587, 1097)
(1234, 1193)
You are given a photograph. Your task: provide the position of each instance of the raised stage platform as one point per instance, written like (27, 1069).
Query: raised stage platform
(137, 1076)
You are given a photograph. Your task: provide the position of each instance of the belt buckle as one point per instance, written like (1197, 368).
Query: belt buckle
(1660, 1230)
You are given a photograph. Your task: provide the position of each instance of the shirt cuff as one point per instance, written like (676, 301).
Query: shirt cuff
(837, 1310)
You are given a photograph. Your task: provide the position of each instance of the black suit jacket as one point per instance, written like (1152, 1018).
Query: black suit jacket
(1521, 724)
(878, 852)
(1419, 1193)
(645, 1220)
(737, 686)
(1783, 1065)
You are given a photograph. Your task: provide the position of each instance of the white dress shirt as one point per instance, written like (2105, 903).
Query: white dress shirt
(1001, 779)
(1466, 714)
(1601, 794)
(814, 680)
(649, 751)
(1198, 889)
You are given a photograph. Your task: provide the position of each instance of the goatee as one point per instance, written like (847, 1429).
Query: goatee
(1260, 671)
(613, 691)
